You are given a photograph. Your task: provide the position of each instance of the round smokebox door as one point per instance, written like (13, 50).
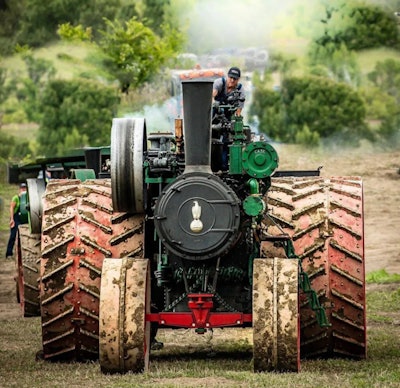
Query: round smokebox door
(197, 217)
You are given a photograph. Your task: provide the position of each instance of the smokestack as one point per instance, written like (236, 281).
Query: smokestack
(197, 103)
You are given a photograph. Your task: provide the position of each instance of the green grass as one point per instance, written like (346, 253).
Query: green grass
(368, 58)
(381, 277)
(70, 60)
(190, 360)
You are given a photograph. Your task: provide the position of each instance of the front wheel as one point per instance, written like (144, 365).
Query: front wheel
(124, 302)
(275, 315)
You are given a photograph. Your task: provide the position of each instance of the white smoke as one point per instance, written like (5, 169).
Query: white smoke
(159, 117)
(215, 24)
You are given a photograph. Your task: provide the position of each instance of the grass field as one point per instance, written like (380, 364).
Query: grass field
(224, 359)
(221, 360)
(70, 60)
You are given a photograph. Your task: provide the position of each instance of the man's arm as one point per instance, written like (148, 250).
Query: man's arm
(242, 98)
(217, 86)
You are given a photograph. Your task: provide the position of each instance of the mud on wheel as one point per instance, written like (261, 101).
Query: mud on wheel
(275, 315)
(79, 230)
(124, 331)
(324, 217)
(28, 267)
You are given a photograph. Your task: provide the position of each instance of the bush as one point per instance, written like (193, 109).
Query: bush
(328, 109)
(307, 138)
(77, 112)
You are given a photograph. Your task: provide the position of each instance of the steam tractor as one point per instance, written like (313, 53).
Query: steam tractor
(173, 241)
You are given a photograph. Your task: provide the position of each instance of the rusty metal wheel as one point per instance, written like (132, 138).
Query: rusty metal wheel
(28, 268)
(325, 219)
(124, 302)
(276, 345)
(79, 230)
(128, 144)
(36, 189)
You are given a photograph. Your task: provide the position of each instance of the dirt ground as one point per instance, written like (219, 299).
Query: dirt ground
(381, 178)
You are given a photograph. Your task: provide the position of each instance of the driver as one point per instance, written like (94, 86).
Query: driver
(224, 88)
(227, 91)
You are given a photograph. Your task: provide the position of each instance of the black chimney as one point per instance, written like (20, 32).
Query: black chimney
(197, 103)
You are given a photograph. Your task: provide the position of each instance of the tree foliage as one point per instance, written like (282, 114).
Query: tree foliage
(154, 14)
(35, 22)
(29, 90)
(358, 26)
(311, 107)
(75, 113)
(386, 76)
(335, 62)
(134, 53)
(384, 99)
(10, 14)
(40, 19)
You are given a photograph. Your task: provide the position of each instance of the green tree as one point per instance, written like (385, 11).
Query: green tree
(77, 113)
(358, 26)
(154, 14)
(7, 143)
(3, 87)
(10, 15)
(335, 62)
(328, 109)
(134, 53)
(39, 20)
(386, 76)
(40, 71)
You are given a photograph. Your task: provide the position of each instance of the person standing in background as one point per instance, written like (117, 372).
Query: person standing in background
(15, 219)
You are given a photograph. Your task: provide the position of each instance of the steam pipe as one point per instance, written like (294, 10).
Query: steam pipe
(197, 103)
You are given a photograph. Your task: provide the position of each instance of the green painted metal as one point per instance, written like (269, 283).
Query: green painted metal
(83, 174)
(253, 205)
(260, 159)
(305, 285)
(254, 186)
(235, 150)
(235, 159)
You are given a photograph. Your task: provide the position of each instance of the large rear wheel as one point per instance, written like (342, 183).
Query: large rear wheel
(36, 189)
(124, 302)
(128, 144)
(28, 268)
(80, 229)
(324, 217)
(276, 345)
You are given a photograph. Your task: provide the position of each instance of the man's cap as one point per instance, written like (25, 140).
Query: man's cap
(234, 72)
(22, 185)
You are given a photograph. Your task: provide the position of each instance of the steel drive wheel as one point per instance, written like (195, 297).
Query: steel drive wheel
(128, 143)
(124, 302)
(28, 269)
(79, 230)
(324, 217)
(36, 189)
(276, 345)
